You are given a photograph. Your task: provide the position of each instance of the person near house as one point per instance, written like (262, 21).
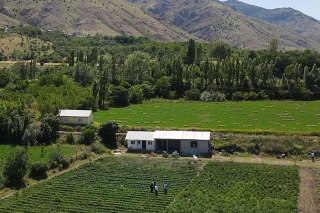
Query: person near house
(151, 187)
(312, 156)
(165, 187)
(156, 189)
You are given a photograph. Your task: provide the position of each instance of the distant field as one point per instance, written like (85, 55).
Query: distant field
(9, 63)
(273, 116)
(121, 184)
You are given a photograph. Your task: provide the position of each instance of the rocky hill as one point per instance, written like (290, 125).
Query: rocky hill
(284, 17)
(107, 17)
(164, 20)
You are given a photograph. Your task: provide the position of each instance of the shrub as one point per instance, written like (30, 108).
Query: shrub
(1, 182)
(219, 97)
(206, 96)
(57, 159)
(98, 148)
(15, 167)
(70, 138)
(250, 96)
(67, 128)
(39, 170)
(193, 94)
(237, 96)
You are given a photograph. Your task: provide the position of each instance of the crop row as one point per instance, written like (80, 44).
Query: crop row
(114, 184)
(234, 187)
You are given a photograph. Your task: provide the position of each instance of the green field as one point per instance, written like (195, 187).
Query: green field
(243, 188)
(272, 116)
(114, 184)
(121, 184)
(40, 153)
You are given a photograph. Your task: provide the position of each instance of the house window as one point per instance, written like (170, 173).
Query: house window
(65, 119)
(194, 144)
(149, 142)
(80, 119)
(133, 142)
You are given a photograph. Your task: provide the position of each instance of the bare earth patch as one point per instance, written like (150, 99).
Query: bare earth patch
(308, 202)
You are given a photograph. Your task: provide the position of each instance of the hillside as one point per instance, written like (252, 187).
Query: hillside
(283, 17)
(213, 21)
(6, 20)
(165, 20)
(110, 18)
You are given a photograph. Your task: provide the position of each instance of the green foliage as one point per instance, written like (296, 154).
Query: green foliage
(39, 170)
(119, 96)
(193, 94)
(87, 136)
(220, 50)
(108, 134)
(70, 138)
(50, 125)
(15, 167)
(135, 95)
(58, 160)
(98, 148)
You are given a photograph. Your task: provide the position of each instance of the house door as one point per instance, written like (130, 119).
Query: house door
(139, 145)
(143, 144)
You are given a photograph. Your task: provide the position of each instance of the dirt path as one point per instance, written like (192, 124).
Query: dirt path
(308, 196)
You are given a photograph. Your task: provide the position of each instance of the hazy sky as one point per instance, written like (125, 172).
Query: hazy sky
(308, 7)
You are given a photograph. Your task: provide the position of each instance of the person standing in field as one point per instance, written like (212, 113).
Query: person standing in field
(156, 189)
(151, 187)
(312, 156)
(165, 187)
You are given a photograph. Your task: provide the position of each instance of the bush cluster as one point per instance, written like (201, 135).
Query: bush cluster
(39, 170)
(98, 148)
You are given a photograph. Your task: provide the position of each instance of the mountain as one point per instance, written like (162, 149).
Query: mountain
(284, 17)
(213, 21)
(107, 17)
(163, 20)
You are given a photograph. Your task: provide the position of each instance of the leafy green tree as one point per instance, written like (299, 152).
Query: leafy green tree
(193, 94)
(119, 96)
(220, 50)
(135, 94)
(108, 134)
(147, 90)
(163, 86)
(199, 54)
(274, 44)
(15, 167)
(137, 67)
(190, 57)
(50, 125)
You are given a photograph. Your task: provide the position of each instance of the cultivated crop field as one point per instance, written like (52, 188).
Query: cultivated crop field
(272, 116)
(113, 184)
(121, 184)
(234, 187)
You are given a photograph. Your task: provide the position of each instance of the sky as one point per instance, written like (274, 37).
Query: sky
(308, 7)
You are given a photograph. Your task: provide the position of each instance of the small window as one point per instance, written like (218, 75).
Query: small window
(149, 142)
(133, 142)
(194, 144)
(65, 119)
(80, 119)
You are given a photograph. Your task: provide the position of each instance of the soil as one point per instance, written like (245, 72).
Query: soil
(308, 196)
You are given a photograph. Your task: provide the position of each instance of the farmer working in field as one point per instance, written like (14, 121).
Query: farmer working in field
(156, 189)
(165, 187)
(151, 187)
(312, 157)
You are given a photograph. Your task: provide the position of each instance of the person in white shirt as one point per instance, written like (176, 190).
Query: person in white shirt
(312, 157)
(156, 189)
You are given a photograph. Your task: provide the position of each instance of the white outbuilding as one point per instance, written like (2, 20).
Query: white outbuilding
(140, 140)
(184, 142)
(80, 117)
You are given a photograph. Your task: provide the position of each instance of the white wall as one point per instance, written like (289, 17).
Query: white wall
(137, 146)
(186, 149)
(76, 120)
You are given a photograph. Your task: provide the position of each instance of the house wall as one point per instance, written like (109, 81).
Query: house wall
(136, 146)
(76, 120)
(186, 149)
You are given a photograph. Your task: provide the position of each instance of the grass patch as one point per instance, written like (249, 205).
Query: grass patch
(267, 116)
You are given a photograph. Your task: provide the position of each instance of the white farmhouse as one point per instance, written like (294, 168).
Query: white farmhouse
(184, 142)
(80, 117)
